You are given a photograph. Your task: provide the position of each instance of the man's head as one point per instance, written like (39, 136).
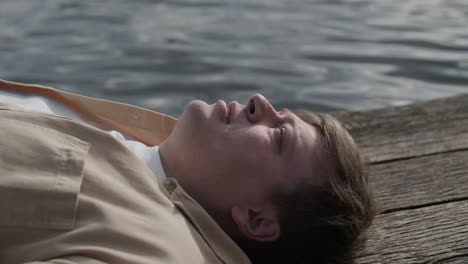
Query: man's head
(251, 166)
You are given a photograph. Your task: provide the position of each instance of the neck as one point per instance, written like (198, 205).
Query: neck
(169, 161)
(174, 164)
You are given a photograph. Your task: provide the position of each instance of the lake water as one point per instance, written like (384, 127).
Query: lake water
(322, 55)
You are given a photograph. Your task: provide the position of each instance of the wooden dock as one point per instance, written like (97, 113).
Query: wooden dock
(419, 172)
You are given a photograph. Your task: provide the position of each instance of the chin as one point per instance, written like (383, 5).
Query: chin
(196, 109)
(195, 115)
(196, 104)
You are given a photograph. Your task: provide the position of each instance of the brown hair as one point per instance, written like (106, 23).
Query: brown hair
(323, 224)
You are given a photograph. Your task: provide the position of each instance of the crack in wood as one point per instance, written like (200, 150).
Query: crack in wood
(417, 156)
(412, 207)
(461, 257)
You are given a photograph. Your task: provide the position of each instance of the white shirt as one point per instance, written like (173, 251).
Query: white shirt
(149, 155)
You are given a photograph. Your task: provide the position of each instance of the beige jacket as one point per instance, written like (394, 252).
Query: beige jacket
(71, 193)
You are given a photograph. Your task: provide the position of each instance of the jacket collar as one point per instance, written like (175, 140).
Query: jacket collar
(146, 126)
(220, 243)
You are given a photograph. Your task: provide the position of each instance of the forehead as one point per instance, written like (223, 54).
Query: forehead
(305, 158)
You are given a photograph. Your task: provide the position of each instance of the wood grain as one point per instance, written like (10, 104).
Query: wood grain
(432, 234)
(420, 181)
(410, 131)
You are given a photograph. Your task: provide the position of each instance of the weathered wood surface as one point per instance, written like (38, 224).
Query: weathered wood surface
(421, 181)
(432, 234)
(409, 131)
(420, 178)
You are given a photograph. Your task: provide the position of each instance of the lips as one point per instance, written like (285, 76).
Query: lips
(231, 109)
(222, 110)
(226, 111)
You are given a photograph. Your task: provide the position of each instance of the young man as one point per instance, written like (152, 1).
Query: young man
(236, 184)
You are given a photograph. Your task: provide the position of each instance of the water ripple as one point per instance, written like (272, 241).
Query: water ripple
(323, 55)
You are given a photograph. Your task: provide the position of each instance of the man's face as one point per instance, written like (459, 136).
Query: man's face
(239, 154)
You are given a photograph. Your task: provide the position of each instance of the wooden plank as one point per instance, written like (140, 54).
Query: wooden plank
(433, 234)
(410, 131)
(420, 181)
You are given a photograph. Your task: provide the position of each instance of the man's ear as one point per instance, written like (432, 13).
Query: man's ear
(259, 224)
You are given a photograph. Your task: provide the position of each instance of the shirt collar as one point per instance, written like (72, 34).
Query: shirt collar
(155, 164)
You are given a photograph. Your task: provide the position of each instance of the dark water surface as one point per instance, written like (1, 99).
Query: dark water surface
(321, 55)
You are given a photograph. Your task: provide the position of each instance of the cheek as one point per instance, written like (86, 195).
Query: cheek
(246, 151)
(252, 139)
(237, 154)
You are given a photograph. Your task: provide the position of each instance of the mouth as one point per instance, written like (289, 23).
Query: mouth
(228, 114)
(231, 109)
(227, 111)
(223, 110)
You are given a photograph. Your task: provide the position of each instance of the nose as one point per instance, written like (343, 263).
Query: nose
(258, 109)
